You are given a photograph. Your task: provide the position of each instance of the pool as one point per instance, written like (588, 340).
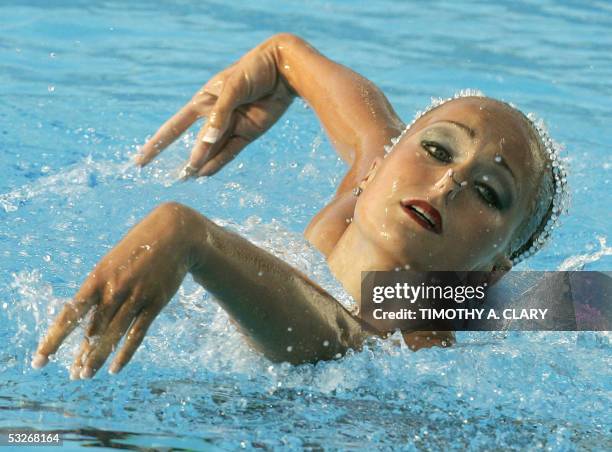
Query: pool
(83, 83)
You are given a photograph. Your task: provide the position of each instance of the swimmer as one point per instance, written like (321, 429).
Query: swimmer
(471, 184)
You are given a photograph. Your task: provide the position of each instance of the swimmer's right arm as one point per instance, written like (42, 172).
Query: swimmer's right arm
(283, 313)
(247, 98)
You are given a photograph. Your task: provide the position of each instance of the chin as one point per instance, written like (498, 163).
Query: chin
(404, 241)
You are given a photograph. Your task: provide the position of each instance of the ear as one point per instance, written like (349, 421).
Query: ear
(491, 273)
(371, 172)
(502, 266)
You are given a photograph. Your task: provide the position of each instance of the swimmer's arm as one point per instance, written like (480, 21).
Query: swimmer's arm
(355, 113)
(245, 99)
(282, 312)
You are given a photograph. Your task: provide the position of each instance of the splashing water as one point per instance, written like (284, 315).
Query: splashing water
(578, 262)
(195, 374)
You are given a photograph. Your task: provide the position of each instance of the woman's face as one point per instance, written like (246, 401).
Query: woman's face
(454, 189)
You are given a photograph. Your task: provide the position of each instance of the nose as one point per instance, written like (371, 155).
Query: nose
(450, 185)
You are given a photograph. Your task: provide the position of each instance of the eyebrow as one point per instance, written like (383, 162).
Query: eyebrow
(471, 132)
(503, 163)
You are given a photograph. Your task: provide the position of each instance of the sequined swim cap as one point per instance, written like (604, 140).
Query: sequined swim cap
(555, 162)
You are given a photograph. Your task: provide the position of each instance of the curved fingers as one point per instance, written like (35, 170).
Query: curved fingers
(221, 119)
(80, 357)
(204, 148)
(106, 342)
(65, 323)
(228, 152)
(175, 127)
(133, 339)
(206, 159)
(102, 315)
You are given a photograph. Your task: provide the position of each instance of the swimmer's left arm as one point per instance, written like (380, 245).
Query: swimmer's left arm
(284, 314)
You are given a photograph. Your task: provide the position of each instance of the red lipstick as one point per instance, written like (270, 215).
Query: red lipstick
(424, 214)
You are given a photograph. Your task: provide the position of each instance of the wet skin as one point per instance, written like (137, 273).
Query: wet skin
(487, 148)
(265, 296)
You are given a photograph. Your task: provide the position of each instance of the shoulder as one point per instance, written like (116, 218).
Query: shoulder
(327, 226)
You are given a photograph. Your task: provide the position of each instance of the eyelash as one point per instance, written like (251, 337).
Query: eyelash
(494, 202)
(427, 145)
(484, 191)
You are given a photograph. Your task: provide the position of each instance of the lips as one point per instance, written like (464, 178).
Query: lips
(424, 214)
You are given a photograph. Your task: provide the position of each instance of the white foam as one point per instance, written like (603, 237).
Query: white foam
(578, 262)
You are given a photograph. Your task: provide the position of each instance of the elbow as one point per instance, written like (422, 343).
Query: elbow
(287, 42)
(178, 217)
(171, 210)
(287, 38)
(189, 228)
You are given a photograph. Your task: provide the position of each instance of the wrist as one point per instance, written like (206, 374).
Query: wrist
(195, 234)
(284, 47)
(185, 227)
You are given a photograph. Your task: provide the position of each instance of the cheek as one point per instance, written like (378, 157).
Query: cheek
(485, 233)
(406, 167)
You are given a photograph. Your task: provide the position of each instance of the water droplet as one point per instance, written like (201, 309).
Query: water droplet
(289, 329)
(325, 343)
(47, 258)
(289, 348)
(51, 88)
(52, 55)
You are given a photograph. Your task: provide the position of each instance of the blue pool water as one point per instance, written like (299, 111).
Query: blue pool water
(84, 82)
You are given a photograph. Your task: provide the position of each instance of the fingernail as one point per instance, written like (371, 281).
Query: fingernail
(86, 373)
(211, 135)
(113, 369)
(187, 172)
(39, 361)
(183, 173)
(74, 375)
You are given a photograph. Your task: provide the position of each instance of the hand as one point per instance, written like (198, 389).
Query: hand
(240, 102)
(125, 291)
(417, 340)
